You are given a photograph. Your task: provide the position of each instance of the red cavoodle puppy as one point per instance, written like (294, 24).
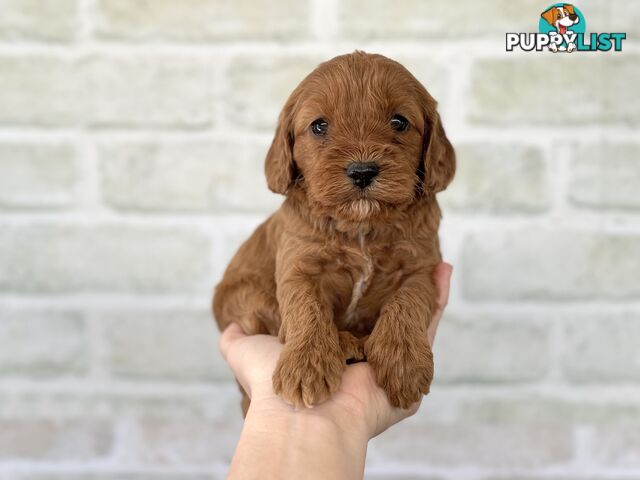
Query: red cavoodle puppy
(343, 271)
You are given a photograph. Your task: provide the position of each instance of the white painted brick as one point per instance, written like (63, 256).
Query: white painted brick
(550, 264)
(179, 443)
(214, 401)
(534, 409)
(616, 446)
(613, 16)
(37, 175)
(89, 473)
(478, 349)
(587, 475)
(46, 20)
(55, 441)
(496, 446)
(498, 179)
(431, 18)
(258, 86)
(606, 175)
(115, 258)
(137, 90)
(42, 344)
(201, 20)
(167, 345)
(163, 90)
(602, 348)
(524, 90)
(39, 90)
(396, 475)
(186, 176)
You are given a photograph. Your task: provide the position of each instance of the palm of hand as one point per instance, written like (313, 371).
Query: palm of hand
(359, 401)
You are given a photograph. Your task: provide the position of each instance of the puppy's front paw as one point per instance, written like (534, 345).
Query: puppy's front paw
(307, 376)
(403, 369)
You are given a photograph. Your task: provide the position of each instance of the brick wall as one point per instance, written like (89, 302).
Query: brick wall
(132, 135)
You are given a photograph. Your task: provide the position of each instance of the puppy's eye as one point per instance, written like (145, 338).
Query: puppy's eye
(399, 123)
(319, 127)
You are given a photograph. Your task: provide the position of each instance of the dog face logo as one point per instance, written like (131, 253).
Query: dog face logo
(561, 17)
(565, 21)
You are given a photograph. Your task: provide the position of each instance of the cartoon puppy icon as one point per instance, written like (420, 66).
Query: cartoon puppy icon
(561, 18)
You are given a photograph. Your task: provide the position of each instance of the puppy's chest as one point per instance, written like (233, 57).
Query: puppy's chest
(370, 274)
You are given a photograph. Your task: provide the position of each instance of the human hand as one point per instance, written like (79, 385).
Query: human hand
(359, 405)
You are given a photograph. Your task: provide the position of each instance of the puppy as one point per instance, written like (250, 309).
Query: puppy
(561, 18)
(343, 271)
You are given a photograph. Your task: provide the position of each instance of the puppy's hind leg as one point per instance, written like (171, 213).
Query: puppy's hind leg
(352, 347)
(248, 304)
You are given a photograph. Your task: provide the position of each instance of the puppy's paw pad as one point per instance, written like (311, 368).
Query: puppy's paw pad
(403, 371)
(307, 378)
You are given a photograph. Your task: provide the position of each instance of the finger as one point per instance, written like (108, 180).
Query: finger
(233, 349)
(251, 358)
(230, 334)
(443, 279)
(393, 415)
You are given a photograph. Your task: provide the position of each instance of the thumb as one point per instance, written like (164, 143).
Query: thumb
(443, 278)
(232, 333)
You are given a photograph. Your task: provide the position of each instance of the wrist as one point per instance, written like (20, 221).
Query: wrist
(305, 440)
(339, 417)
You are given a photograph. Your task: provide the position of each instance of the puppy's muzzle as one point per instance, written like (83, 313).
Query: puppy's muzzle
(362, 173)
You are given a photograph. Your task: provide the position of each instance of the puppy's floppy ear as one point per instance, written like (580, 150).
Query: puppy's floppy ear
(439, 156)
(550, 16)
(279, 166)
(569, 8)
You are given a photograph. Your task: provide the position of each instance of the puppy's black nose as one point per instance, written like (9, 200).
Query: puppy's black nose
(573, 17)
(362, 173)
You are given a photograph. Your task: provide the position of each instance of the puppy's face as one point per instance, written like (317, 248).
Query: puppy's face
(361, 137)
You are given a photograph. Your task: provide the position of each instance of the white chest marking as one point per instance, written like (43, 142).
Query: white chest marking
(360, 285)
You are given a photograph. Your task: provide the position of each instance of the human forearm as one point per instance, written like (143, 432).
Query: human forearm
(288, 444)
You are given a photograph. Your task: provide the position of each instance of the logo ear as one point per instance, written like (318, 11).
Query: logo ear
(279, 166)
(550, 16)
(439, 156)
(569, 8)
